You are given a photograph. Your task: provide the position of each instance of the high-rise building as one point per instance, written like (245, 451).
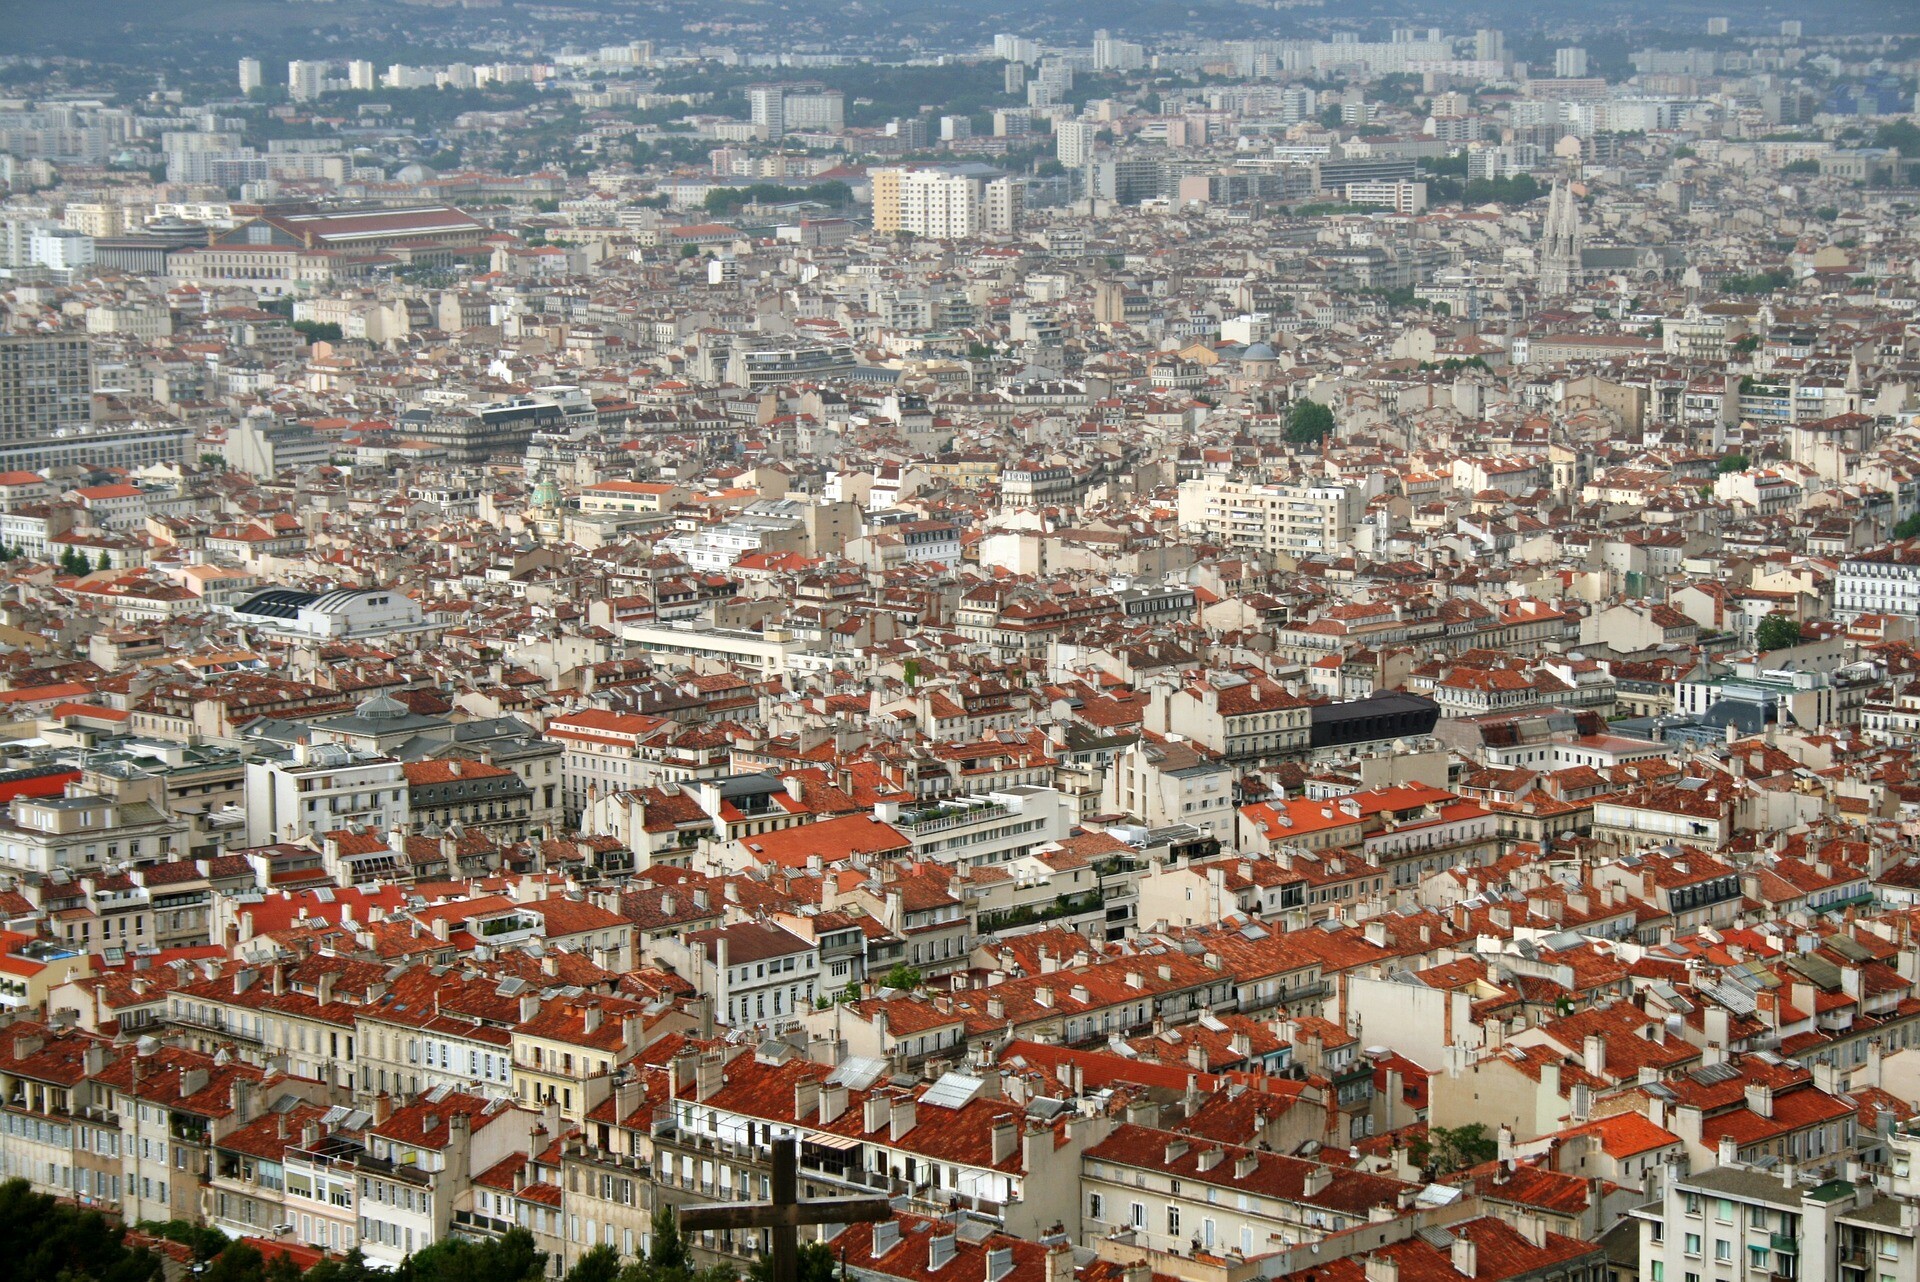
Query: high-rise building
(1716, 26)
(250, 75)
(46, 386)
(1559, 262)
(947, 203)
(955, 128)
(306, 80)
(1073, 142)
(1489, 45)
(360, 77)
(1570, 63)
(1116, 55)
(768, 104)
(1015, 48)
(1005, 201)
(815, 109)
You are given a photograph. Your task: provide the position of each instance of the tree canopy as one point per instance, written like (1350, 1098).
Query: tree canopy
(1309, 423)
(1776, 632)
(46, 1238)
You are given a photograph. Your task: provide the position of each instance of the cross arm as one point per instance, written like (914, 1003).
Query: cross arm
(759, 1215)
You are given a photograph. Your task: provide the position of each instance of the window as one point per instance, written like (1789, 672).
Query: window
(1722, 1249)
(1137, 1215)
(1173, 1220)
(1693, 1245)
(1095, 1207)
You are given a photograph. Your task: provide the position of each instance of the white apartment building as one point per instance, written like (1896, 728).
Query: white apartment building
(306, 80)
(83, 832)
(1298, 520)
(975, 831)
(1884, 580)
(601, 755)
(1073, 142)
(323, 788)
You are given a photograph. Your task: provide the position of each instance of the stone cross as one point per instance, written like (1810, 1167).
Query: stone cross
(785, 1212)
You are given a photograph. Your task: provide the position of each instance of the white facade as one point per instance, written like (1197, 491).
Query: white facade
(323, 788)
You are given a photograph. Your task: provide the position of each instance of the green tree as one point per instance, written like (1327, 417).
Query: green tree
(319, 331)
(816, 1265)
(1777, 632)
(240, 1262)
(352, 1267)
(1459, 1147)
(1733, 463)
(511, 1257)
(206, 1242)
(902, 977)
(1907, 528)
(1309, 423)
(105, 562)
(210, 459)
(601, 1264)
(43, 1238)
(667, 1253)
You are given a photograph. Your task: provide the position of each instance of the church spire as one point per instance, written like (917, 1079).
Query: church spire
(1559, 257)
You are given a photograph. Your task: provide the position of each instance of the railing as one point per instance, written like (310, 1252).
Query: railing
(1026, 914)
(965, 815)
(1785, 1244)
(215, 1023)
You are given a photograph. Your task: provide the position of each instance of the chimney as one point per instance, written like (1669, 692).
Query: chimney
(707, 1077)
(902, 1117)
(590, 1017)
(1006, 1139)
(939, 1251)
(1060, 1263)
(192, 1082)
(1246, 1165)
(833, 1101)
(886, 1236)
(1594, 1056)
(682, 1069)
(1760, 1098)
(806, 1098)
(529, 1006)
(1381, 1268)
(1465, 1257)
(875, 1114)
(1317, 1180)
(999, 1263)
(382, 1108)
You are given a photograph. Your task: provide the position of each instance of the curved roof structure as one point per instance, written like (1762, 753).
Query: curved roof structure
(277, 603)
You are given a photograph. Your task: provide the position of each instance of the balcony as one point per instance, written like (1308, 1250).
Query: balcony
(1784, 1244)
(946, 817)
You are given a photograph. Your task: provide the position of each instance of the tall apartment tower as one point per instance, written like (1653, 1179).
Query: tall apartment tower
(1560, 245)
(251, 77)
(306, 80)
(1073, 142)
(46, 386)
(769, 106)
